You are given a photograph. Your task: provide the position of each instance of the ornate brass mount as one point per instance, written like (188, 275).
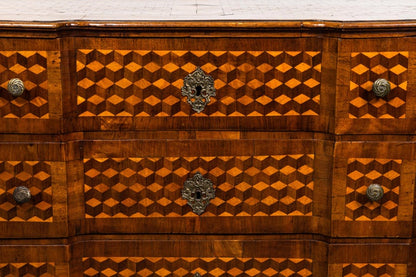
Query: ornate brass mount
(198, 190)
(381, 87)
(21, 195)
(198, 88)
(16, 87)
(375, 192)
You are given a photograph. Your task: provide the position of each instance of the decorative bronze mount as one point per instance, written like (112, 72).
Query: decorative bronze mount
(198, 190)
(198, 88)
(375, 192)
(16, 87)
(21, 194)
(381, 87)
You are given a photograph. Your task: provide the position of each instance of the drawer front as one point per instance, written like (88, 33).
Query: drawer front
(28, 269)
(30, 259)
(189, 266)
(370, 259)
(359, 109)
(167, 258)
(369, 269)
(45, 212)
(253, 193)
(140, 87)
(31, 68)
(39, 108)
(359, 165)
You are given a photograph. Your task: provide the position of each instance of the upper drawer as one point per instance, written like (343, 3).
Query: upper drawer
(37, 64)
(359, 108)
(260, 83)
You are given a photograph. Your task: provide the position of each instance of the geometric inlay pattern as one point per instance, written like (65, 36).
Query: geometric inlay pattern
(368, 270)
(147, 83)
(244, 186)
(360, 174)
(36, 175)
(187, 267)
(31, 68)
(27, 269)
(367, 67)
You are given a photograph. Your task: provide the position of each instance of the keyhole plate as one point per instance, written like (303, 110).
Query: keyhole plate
(198, 87)
(198, 191)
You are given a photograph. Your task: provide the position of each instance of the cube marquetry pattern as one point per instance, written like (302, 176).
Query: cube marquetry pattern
(363, 172)
(368, 270)
(31, 68)
(245, 186)
(148, 83)
(27, 269)
(36, 175)
(367, 67)
(187, 267)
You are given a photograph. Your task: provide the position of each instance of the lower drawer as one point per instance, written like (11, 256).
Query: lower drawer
(24, 259)
(193, 256)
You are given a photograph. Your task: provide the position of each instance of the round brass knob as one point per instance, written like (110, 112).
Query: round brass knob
(375, 192)
(381, 87)
(21, 194)
(16, 87)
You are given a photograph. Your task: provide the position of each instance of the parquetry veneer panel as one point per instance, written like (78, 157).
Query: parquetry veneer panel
(245, 186)
(36, 175)
(146, 83)
(371, 270)
(366, 67)
(188, 266)
(27, 269)
(31, 68)
(361, 173)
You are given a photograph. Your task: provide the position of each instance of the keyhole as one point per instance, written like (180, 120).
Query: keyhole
(198, 194)
(198, 89)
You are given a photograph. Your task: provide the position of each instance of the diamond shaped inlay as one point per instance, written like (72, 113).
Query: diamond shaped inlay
(367, 67)
(196, 266)
(246, 185)
(145, 78)
(361, 173)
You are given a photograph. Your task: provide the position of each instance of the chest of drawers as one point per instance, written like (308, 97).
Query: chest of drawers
(105, 140)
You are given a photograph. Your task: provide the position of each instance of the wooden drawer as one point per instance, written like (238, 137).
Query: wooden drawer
(369, 259)
(359, 164)
(37, 64)
(360, 64)
(33, 260)
(260, 83)
(39, 168)
(186, 258)
(261, 186)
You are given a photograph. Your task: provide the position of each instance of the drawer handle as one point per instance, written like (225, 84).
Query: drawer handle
(381, 87)
(16, 87)
(21, 194)
(375, 192)
(198, 191)
(197, 274)
(198, 87)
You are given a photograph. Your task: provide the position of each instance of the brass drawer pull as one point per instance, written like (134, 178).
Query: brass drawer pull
(375, 192)
(381, 87)
(198, 87)
(198, 190)
(197, 274)
(21, 194)
(16, 87)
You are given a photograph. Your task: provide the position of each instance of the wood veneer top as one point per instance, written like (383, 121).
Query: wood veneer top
(165, 10)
